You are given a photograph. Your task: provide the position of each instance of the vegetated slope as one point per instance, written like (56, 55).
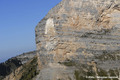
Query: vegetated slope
(12, 64)
(25, 72)
(9, 66)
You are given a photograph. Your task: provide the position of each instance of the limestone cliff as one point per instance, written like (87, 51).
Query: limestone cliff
(82, 34)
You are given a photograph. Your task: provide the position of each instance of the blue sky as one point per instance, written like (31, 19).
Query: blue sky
(18, 19)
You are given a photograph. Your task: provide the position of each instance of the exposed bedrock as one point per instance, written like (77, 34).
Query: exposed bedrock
(84, 31)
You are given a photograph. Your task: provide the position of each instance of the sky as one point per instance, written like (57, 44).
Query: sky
(18, 19)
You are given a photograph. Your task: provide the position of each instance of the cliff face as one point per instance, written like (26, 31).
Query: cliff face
(71, 20)
(77, 36)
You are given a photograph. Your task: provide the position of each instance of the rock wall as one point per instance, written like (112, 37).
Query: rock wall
(83, 31)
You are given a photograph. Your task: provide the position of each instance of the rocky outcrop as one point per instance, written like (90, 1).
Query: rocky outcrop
(25, 57)
(86, 32)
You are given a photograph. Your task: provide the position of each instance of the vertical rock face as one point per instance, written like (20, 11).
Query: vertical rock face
(83, 31)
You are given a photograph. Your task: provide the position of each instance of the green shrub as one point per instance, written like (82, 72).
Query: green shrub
(78, 76)
(30, 70)
(68, 63)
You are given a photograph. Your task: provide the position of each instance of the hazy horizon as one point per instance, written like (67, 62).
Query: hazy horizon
(17, 25)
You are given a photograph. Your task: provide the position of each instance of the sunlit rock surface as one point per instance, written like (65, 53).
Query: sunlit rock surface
(86, 32)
